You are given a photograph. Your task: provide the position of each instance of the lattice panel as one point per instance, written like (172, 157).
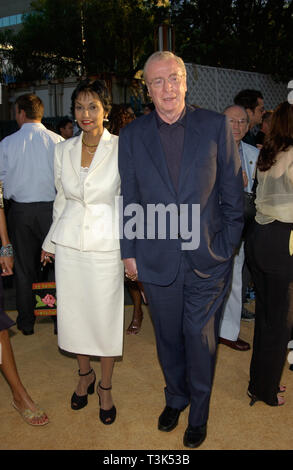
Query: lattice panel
(214, 88)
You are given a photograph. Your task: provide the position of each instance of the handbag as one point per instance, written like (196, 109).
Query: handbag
(45, 298)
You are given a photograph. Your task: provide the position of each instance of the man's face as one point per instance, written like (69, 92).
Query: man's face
(255, 117)
(238, 121)
(67, 131)
(167, 87)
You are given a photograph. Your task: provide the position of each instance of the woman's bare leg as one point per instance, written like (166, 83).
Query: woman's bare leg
(137, 315)
(107, 365)
(21, 398)
(84, 380)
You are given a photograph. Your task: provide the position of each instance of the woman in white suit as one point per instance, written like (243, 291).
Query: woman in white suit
(84, 240)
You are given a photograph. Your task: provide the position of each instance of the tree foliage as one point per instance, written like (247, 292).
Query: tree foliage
(64, 37)
(253, 35)
(73, 37)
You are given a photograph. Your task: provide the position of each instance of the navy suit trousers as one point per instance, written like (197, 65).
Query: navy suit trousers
(186, 317)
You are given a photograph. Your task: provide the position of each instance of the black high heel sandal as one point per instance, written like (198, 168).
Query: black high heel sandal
(106, 416)
(254, 399)
(80, 401)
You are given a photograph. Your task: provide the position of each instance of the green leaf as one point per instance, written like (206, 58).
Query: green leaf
(39, 302)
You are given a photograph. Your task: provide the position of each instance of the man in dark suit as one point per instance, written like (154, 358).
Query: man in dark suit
(182, 189)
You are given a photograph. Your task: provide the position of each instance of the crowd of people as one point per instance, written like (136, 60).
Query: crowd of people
(60, 191)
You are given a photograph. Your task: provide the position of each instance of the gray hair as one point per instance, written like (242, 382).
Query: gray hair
(163, 55)
(231, 106)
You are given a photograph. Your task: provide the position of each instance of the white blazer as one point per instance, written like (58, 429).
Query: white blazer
(86, 217)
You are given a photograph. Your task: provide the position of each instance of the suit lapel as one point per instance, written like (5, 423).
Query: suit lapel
(104, 149)
(191, 142)
(75, 154)
(102, 152)
(152, 142)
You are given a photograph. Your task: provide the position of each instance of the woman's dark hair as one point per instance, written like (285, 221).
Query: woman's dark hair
(119, 117)
(279, 138)
(89, 86)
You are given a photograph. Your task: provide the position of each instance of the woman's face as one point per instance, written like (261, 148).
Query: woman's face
(89, 112)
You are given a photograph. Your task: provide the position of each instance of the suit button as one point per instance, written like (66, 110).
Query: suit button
(86, 227)
(179, 235)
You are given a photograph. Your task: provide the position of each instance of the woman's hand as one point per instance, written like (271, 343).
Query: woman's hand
(46, 257)
(6, 265)
(130, 268)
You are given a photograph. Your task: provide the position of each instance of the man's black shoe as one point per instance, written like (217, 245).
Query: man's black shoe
(26, 332)
(194, 436)
(168, 420)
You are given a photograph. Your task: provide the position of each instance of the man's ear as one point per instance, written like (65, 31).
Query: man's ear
(149, 93)
(250, 114)
(22, 115)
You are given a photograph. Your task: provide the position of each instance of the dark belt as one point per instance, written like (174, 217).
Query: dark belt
(11, 201)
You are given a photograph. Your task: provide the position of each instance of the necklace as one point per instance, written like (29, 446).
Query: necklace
(88, 145)
(91, 153)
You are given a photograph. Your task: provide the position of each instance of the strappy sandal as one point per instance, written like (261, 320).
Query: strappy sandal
(135, 326)
(106, 416)
(254, 399)
(30, 416)
(80, 401)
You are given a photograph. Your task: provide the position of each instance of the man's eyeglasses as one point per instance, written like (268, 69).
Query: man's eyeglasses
(240, 122)
(174, 79)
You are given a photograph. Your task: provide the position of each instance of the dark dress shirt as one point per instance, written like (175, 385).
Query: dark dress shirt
(172, 139)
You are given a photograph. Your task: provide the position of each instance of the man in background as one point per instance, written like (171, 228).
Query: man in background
(27, 172)
(231, 319)
(252, 101)
(65, 128)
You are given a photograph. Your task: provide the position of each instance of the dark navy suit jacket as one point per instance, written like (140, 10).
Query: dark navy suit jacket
(210, 175)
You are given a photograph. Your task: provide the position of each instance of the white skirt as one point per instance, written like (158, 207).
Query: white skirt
(90, 301)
